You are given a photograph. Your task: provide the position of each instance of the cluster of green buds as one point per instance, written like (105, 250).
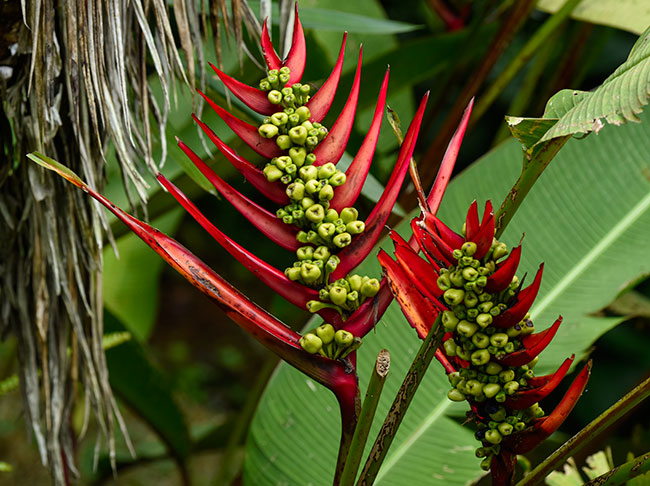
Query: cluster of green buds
(322, 226)
(313, 267)
(476, 341)
(328, 342)
(275, 83)
(345, 294)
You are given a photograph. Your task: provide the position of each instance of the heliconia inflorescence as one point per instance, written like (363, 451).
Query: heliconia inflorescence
(489, 347)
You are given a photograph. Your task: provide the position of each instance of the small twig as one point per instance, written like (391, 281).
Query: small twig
(368, 409)
(587, 435)
(401, 403)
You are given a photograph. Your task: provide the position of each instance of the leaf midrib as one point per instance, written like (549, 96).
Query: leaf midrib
(605, 242)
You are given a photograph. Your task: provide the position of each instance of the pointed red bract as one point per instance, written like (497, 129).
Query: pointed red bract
(360, 166)
(271, 58)
(448, 162)
(254, 98)
(364, 319)
(268, 223)
(419, 311)
(297, 56)
(526, 398)
(471, 222)
(320, 103)
(428, 247)
(450, 237)
(266, 147)
(416, 269)
(522, 305)
(484, 237)
(505, 272)
(362, 244)
(533, 344)
(332, 147)
(526, 440)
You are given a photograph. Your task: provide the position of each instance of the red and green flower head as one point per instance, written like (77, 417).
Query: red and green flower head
(490, 347)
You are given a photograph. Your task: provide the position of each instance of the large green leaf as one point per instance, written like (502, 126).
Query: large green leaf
(619, 99)
(632, 15)
(588, 218)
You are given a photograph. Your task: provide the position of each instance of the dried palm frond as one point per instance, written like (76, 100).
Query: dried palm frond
(73, 81)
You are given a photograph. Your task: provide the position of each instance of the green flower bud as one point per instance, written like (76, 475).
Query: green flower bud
(268, 130)
(450, 347)
(302, 237)
(463, 354)
(449, 320)
(305, 89)
(457, 254)
(305, 253)
(298, 135)
(474, 387)
(499, 339)
(287, 219)
(482, 452)
(454, 378)
(326, 333)
(472, 313)
(326, 230)
(310, 159)
(443, 282)
(532, 364)
(265, 85)
(491, 389)
(493, 368)
(295, 191)
(272, 173)
(312, 186)
(298, 155)
(289, 111)
(304, 113)
(343, 338)
(321, 253)
(311, 343)
(480, 340)
(484, 320)
(499, 251)
(349, 214)
(506, 376)
(454, 296)
(470, 299)
(338, 179)
(369, 288)
(469, 273)
(353, 298)
(326, 193)
(455, 396)
(466, 328)
(294, 119)
(493, 436)
(283, 141)
(310, 273)
(315, 213)
(519, 426)
(291, 169)
(480, 357)
(307, 125)
(279, 119)
(275, 97)
(326, 171)
(468, 248)
(308, 173)
(342, 240)
(282, 162)
(355, 282)
(457, 279)
(289, 99)
(338, 294)
(484, 307)
(332, 263)
(355, 227)
(292, 273)
(509, 347)
(498, 416)
(284, 70)
(511, 387)
(481, 282)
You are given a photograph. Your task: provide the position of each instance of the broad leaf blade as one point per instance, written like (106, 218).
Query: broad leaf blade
(588, 218)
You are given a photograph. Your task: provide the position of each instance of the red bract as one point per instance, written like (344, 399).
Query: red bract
(467, 277)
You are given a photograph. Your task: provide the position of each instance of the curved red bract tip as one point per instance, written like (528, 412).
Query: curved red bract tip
(419, 311)
(428, 247)
(434, 225)
(471, 222)
(332, 147)
(533, 344)
(418, 271)
(320, 103)
(525, 398)
(368, 314)
(360, 166)
(484, 237)
(524, 301)
(297, 56)
(362, 244)
(254, 98)
(271, 58)
(504, 274)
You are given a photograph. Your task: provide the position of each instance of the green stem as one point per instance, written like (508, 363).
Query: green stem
(533, 168)
(368, 409)
(401, 403)
(588, 435)
(623, 473)
(532, 46)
